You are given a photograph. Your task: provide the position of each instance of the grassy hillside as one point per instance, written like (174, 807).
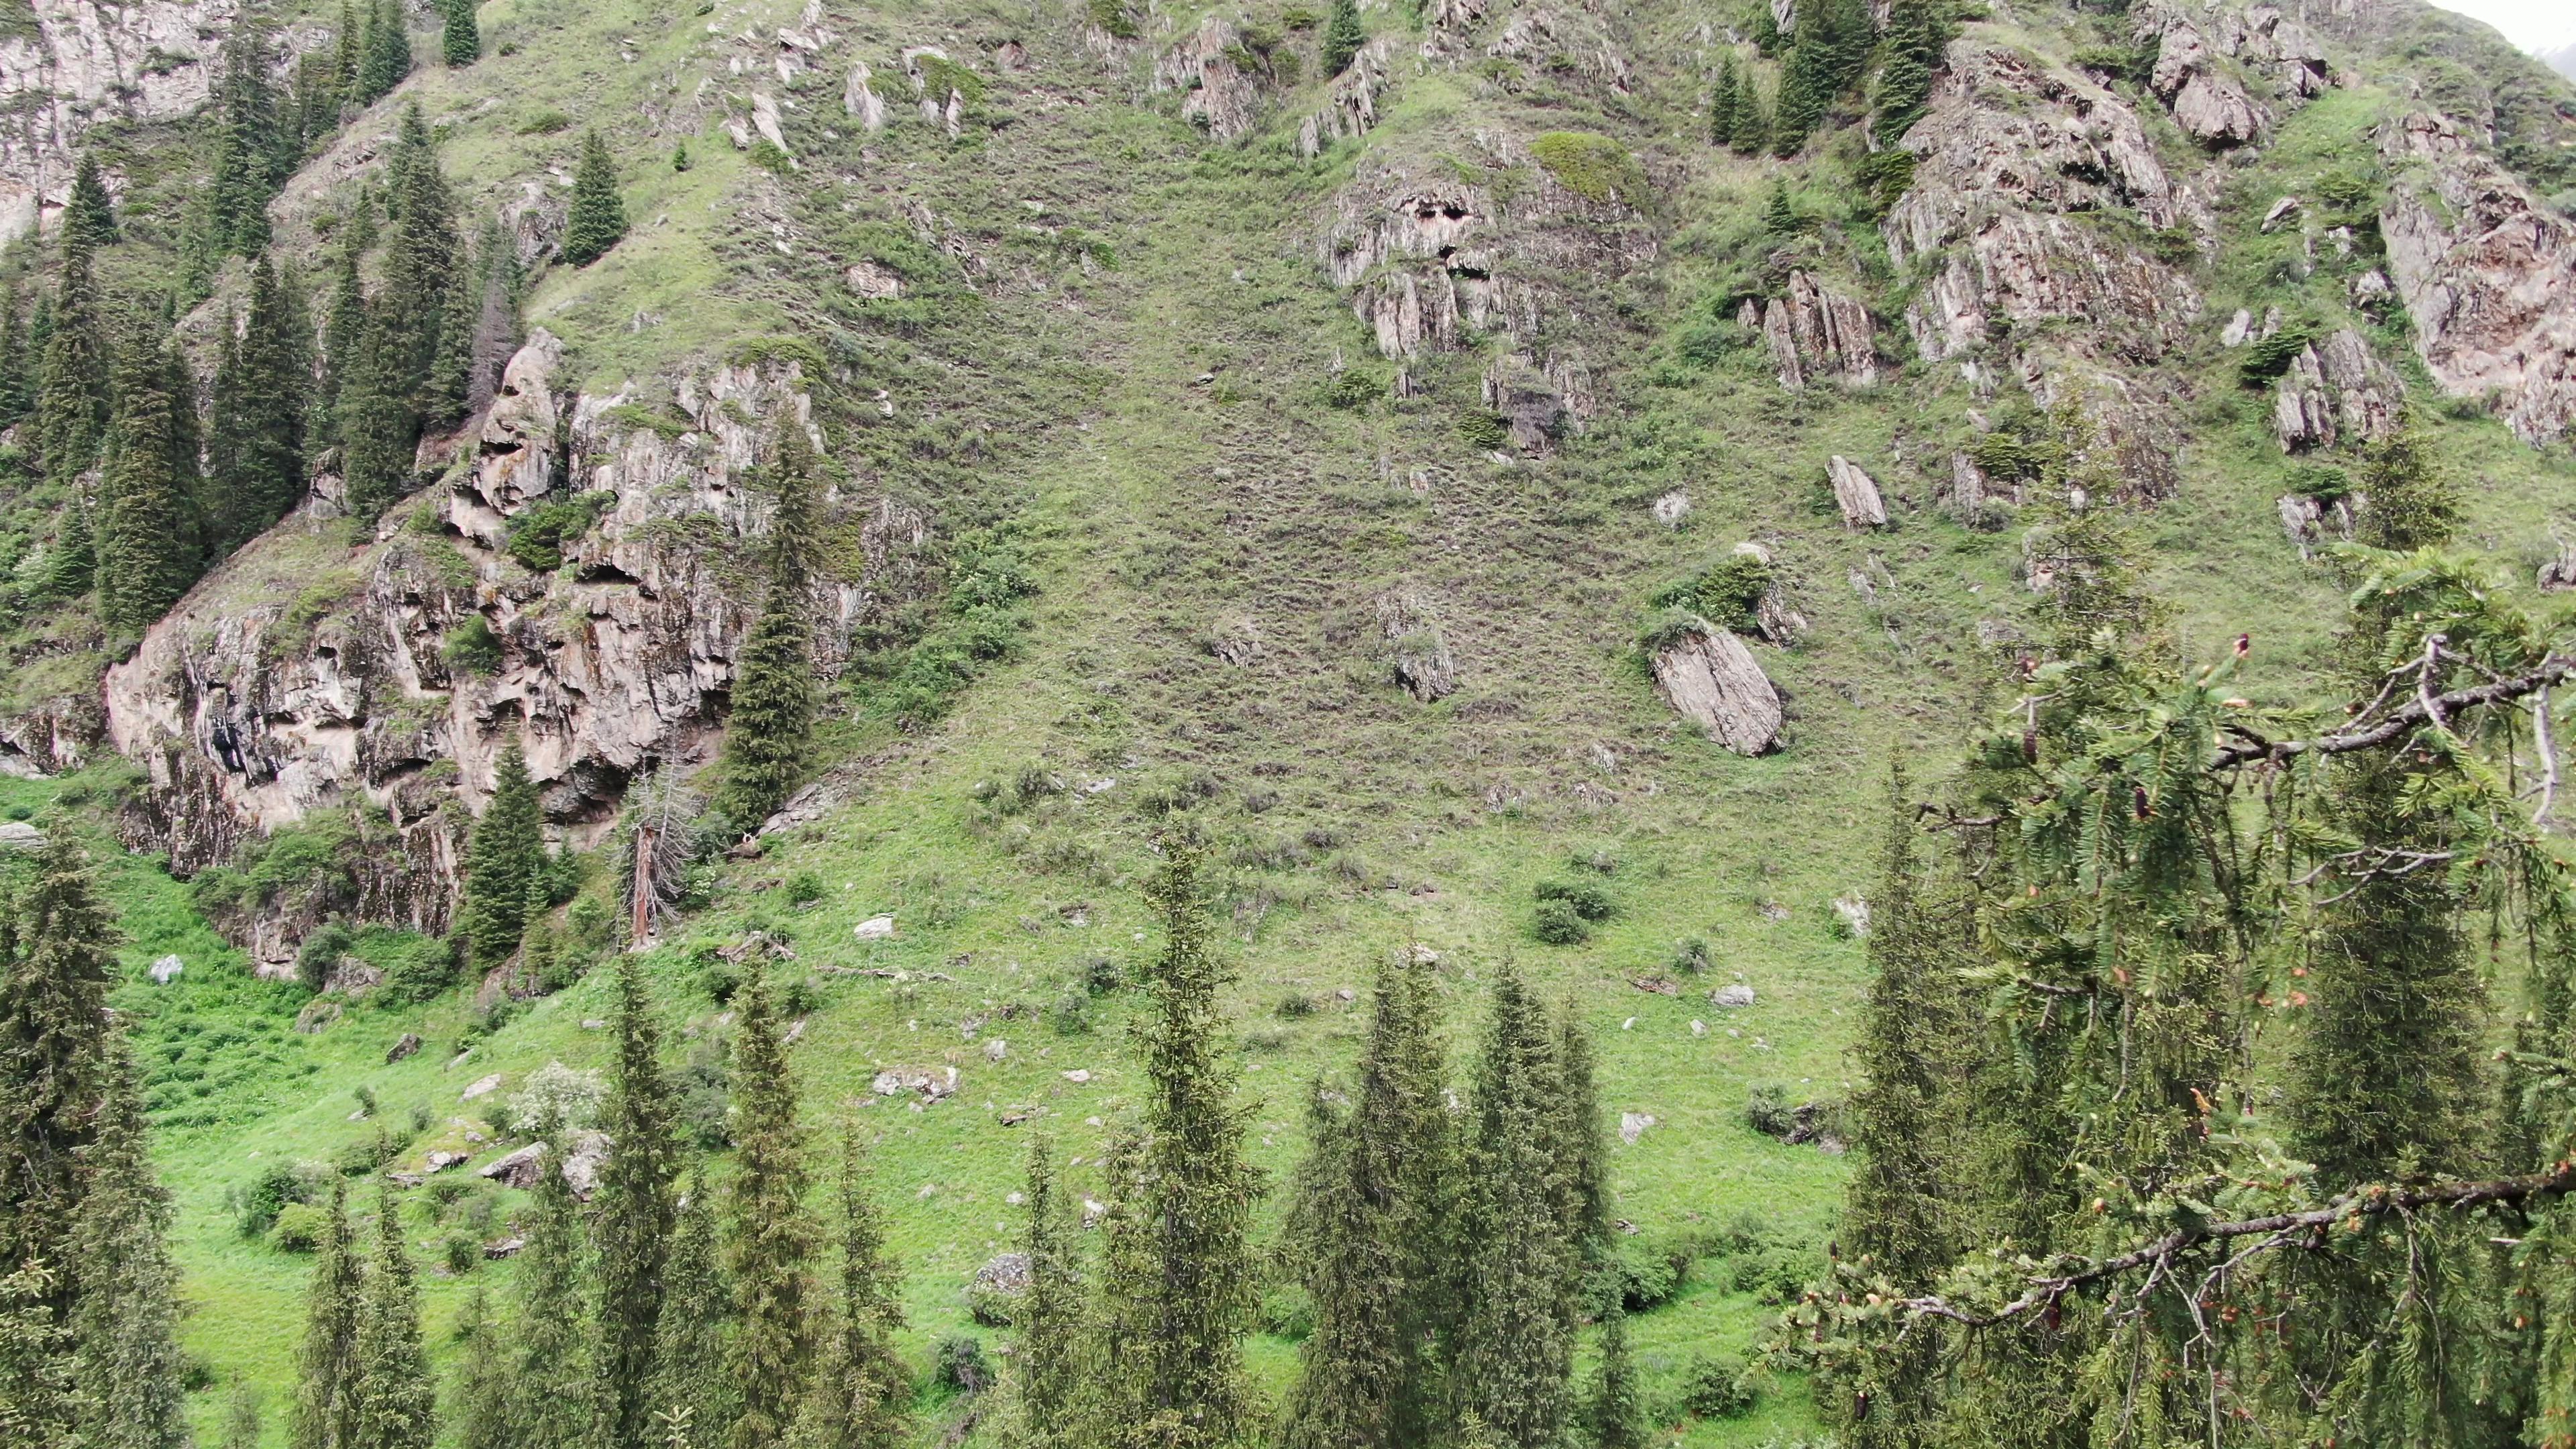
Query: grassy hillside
(1122, 369)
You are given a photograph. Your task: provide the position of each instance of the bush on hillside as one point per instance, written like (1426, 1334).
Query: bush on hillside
(1557, 924)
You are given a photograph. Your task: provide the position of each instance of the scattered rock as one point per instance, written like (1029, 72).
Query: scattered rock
(2335, 390)
(2558, 575)
(874, 280)
(482, 1087)
(407, 1046)
(2239, 331)
(505, 1248)
(2310, 522)
(1856, 494)
(1077, 1076)
(1698, 1027)
(994, 1294)
(1709, 677)
(1732, 997)
(19, 835)
(1855, 913)
(929, 1083)
(167, 969)
(1815, 332)
(441, 1161)
(875, 928)
(1633, 1125)
(996, 1049)
(1422, 661)
(1672, 508)
(859, 98)
(519, 1168)
(316, 1015)
(1659, 985)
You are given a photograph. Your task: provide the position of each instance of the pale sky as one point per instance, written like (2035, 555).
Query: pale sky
(2530, 24)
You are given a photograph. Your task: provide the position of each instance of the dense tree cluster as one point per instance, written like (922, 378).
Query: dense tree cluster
(88, 1294)
(2184, 1120)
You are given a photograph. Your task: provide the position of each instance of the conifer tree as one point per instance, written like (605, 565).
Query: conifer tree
(1343, 37)
(41, 1403)
(385, 53)
(72, 394)
(89, 218)
(420, 257)
(1752, 116)
(251, 158)
(328, 1370)
(344, 335)
(396, 1401)
(598, 217)
(505, 858)
(693, 1391)
(16, 396)
(260, 399)
(768, 1237)
(71, 563)
(444, 394)
(637, 1206)
(539, 967)
(1778, 218)
(125, 1305)
(1826, 55)
(1576, 1140)
(481, 1401)
(1367, 1233)
(57, 949)
(1722, 102)
(1617, 1411)
(550, 1384)
(460, 42)
(378, 428)
(242, 1417)
(1179, 1287)
(1052, 1364)
(349, 46)
(856, 1398)
(146, 557)
(1905, 78)
(1516, 1341)
(772, 722)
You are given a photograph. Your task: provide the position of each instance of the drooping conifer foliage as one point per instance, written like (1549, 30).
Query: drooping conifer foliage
(769, 1236)
(2216, 1150)
(57, 947)
(637, 1210)
(1178, 1277)
(146, 529)
(125, 1315)
(89, 217)
(773, 694)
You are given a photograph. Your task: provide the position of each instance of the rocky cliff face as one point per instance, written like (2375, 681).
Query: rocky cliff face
(300, 678)
(2487, 273)
(83, 62)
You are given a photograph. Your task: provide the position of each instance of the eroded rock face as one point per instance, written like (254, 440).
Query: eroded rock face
(1420, 654)
(2335, 390)
(1815, 332)
(249, 716)
(1222, 96)
(2487, 274)
(1856, 494)
(91, 62)
(1350, 102)
(1710, 678)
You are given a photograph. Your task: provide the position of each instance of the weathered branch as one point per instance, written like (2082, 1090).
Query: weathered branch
(2425, 708)
(2281, 1228)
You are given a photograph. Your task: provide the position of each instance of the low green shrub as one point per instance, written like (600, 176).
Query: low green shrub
(1588, 899)
(1557, 924)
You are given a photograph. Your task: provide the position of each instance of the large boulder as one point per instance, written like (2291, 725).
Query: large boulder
(1710, 678)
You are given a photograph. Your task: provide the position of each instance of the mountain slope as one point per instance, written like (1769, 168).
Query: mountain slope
(1348, 433)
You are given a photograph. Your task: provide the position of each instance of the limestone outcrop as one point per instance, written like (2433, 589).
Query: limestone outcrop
(2487, 273)
(1856, 494)
(2335, 390)
(83, 63)
(300, 678)
(1815, 332)
(1206, 65)
(1710, 678)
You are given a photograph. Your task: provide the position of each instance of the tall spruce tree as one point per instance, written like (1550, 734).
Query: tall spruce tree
(42, 1404)
(89, 218)
(856, 1399)
(598, 217)
(1516, 1341)
(637, 1207)
(1367, 1233)
(261, 393)
(551, 1380)
(1343, 37)
(344, 337)
(146, 554)
(242, 1417)
(1913, 49)
(1722, 102)
(504, 859)
(125, 1315)
(1179, 1287)
(1578, 1144)
(57, 945)
(251, 158)
(1827, 53)
(348, 49)
(384, 56)
(480, 1402)
(17, 376)
(328, 1369)
(420, 257)
(378, 427)
(768, 733)
(693, 1386)
(769, 1239)
(1617, 1410)
(1053, 1365)
(72, 389)
(460, 41)
(396, 1401)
